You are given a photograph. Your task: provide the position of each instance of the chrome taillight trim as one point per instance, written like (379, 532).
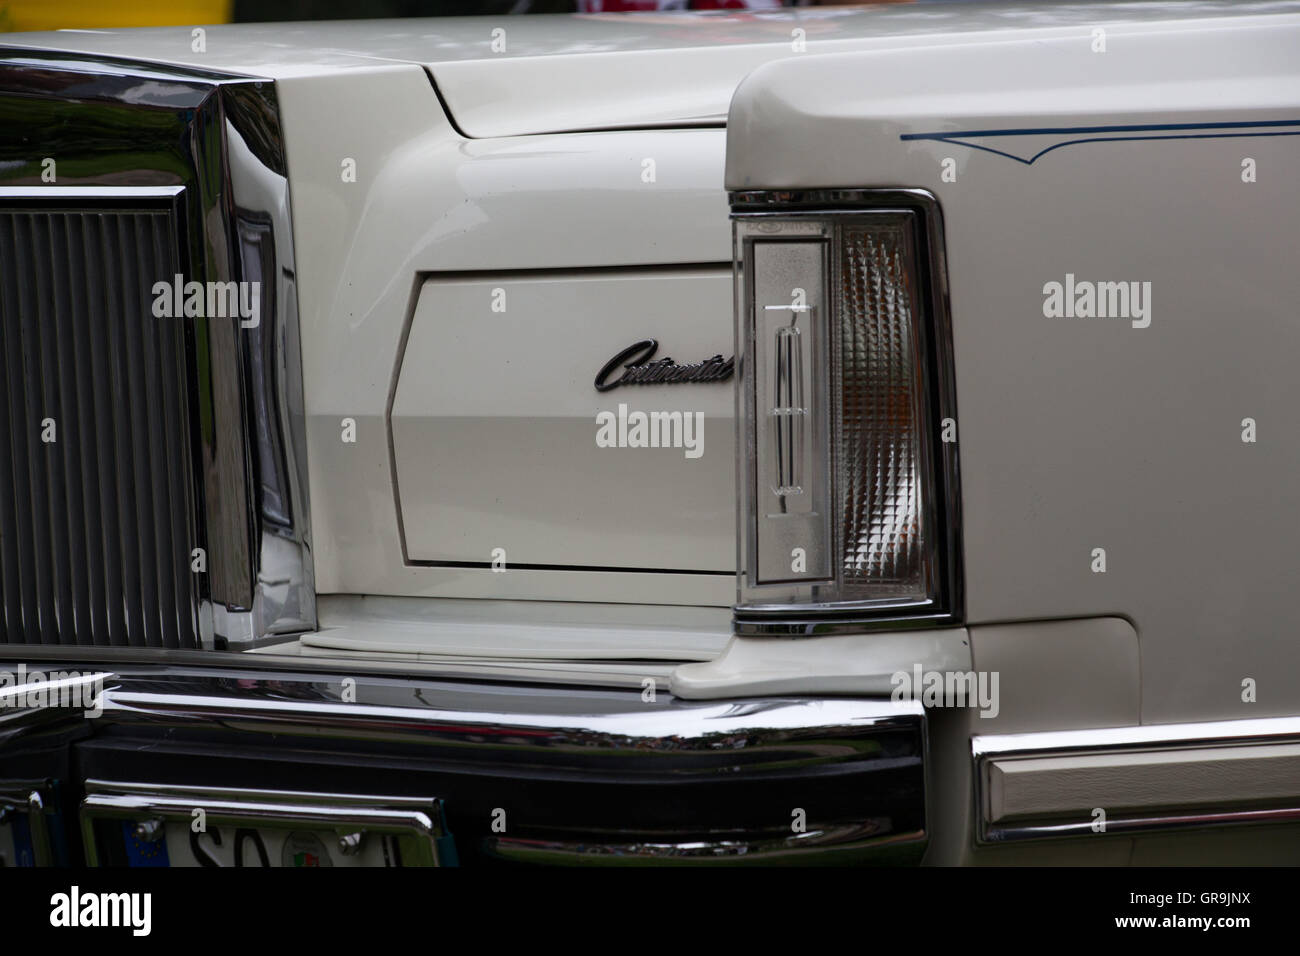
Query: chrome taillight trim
(941, 470)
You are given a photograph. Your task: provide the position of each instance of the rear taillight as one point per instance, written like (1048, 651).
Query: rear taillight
(848, 474)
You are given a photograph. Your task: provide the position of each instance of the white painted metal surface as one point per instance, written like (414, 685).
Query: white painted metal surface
(1123, 434)
(519, 631)
(516, 75)
(502, 442)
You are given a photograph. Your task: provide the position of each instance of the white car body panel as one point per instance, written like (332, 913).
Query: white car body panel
(510, 460)
(1093, 433)
(357, 241)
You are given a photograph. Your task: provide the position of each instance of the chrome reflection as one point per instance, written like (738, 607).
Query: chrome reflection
(592, 771)
(708, 734)
(859, 843)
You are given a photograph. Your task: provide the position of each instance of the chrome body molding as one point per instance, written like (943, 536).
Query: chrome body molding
(1148, 778)
(415, 819)
(212, 142)
(781, 212)
(1225, 731)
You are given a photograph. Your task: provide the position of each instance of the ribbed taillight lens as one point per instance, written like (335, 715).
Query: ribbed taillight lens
(847, 457)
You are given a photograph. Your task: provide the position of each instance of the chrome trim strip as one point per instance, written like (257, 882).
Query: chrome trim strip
(884, 617)
(255, 795)
(393, 816)
(691, 726)
(283, 583)
(942, 472)
(1258, 730)
(1139, 824)
(833, 845)
(1160, 738)
(90, 192)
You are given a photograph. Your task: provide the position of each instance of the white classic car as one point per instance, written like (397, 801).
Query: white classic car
(623, 439)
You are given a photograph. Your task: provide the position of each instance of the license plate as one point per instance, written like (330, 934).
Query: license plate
(180, 845)
(141, 825)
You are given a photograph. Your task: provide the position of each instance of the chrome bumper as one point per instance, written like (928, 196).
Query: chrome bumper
(533, 773)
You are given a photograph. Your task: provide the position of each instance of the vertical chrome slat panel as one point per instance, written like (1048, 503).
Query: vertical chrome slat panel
(118, 344)
(181, 502)
(104, 491)
(47, 465)
(11, 545)
(102, 389)
(146, 407)
(173, 450)
(138, 484)
(38, 609)
(84, 512)
(54, 454)
(96, 526)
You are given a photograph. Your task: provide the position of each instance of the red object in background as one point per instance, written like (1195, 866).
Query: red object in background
(648, 6)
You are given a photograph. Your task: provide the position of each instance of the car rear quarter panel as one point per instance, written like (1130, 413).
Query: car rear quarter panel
(1077, 434)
